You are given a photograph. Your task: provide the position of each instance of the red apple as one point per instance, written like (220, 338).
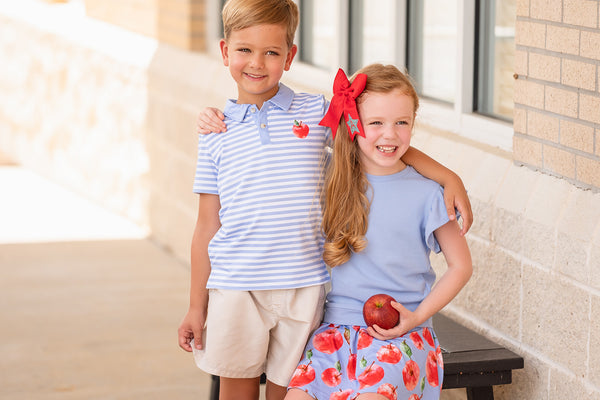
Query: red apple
(351, 367)
(370, 376)
(378, 310)
(431, 369)
(440, 358)
(364, 339)
(388, 390)
(428, 337)
(331, 377)
(414, 336)
(300, 129)
(303, 375)
(410, 374)
(328, 341)
(389, 354)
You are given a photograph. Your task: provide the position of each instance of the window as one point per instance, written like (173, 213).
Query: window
(372, 33)
(432, 47)
(459, 52)
(496, 44)
(318, 35)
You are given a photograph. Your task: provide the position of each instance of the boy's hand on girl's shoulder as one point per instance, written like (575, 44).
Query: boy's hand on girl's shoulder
(210, 120)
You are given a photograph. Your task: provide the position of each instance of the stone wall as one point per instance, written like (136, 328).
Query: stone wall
(111, 115)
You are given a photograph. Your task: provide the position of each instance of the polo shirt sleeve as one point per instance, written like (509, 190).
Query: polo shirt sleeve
(205, 180)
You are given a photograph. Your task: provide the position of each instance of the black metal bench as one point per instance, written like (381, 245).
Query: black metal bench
(470, 361)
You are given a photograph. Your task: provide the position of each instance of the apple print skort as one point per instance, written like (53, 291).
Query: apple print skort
(342, 361)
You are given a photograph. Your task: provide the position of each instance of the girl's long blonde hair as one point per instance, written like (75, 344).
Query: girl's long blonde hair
(346, 205)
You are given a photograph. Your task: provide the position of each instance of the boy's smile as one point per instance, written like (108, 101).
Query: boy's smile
(256, 57)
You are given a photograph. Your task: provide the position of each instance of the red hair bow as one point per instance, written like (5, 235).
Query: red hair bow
(344, 103)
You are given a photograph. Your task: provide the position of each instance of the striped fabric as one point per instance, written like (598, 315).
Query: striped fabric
(269, 183)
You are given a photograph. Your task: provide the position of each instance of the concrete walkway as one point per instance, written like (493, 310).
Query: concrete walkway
(89, 307)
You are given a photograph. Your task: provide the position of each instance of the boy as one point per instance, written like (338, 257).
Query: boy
(257, 244)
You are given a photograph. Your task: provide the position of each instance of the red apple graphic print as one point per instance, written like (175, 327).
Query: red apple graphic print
(351, 367)
(440, 358)
(388, 390)
(371, 376)
(364, 339)
(431, 369)
(389, 354)
(332, 376)
(416, 339)
(341, 395)
(428, 337)
(329, 341)
(415, 397)
(300, 129)
(410, 375)
(303, 375)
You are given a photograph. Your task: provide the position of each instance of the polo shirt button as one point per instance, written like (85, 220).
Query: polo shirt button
(253, 109)
(263, 126)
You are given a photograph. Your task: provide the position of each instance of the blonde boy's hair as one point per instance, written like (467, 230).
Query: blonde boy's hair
(241, 14)
(346, 205)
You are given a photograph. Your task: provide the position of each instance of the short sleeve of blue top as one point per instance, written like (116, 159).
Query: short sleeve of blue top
(406, 209)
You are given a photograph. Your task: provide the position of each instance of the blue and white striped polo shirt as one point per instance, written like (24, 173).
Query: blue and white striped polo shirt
(269, 182)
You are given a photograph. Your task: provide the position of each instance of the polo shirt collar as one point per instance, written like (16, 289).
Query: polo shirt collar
(282, 100)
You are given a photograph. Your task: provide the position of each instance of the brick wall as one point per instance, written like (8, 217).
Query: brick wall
(557, 91)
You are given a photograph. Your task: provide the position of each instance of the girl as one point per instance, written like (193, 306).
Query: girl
(381, 221)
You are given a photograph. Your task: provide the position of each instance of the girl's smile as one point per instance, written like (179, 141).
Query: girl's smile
(387, 149)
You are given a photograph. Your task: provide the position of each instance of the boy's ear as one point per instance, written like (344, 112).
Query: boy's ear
(290, 57)
(224, 52)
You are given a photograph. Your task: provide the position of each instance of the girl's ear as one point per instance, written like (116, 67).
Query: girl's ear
(224, 52)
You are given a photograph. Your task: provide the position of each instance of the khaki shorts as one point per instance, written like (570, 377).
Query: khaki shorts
(251, 332)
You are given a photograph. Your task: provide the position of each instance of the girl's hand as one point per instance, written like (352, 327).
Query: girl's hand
(210, 120)
(455, 196)
(408, 321)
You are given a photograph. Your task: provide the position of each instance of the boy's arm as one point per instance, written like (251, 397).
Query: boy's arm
(210, 120)
(207, 224)
(455, 194)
